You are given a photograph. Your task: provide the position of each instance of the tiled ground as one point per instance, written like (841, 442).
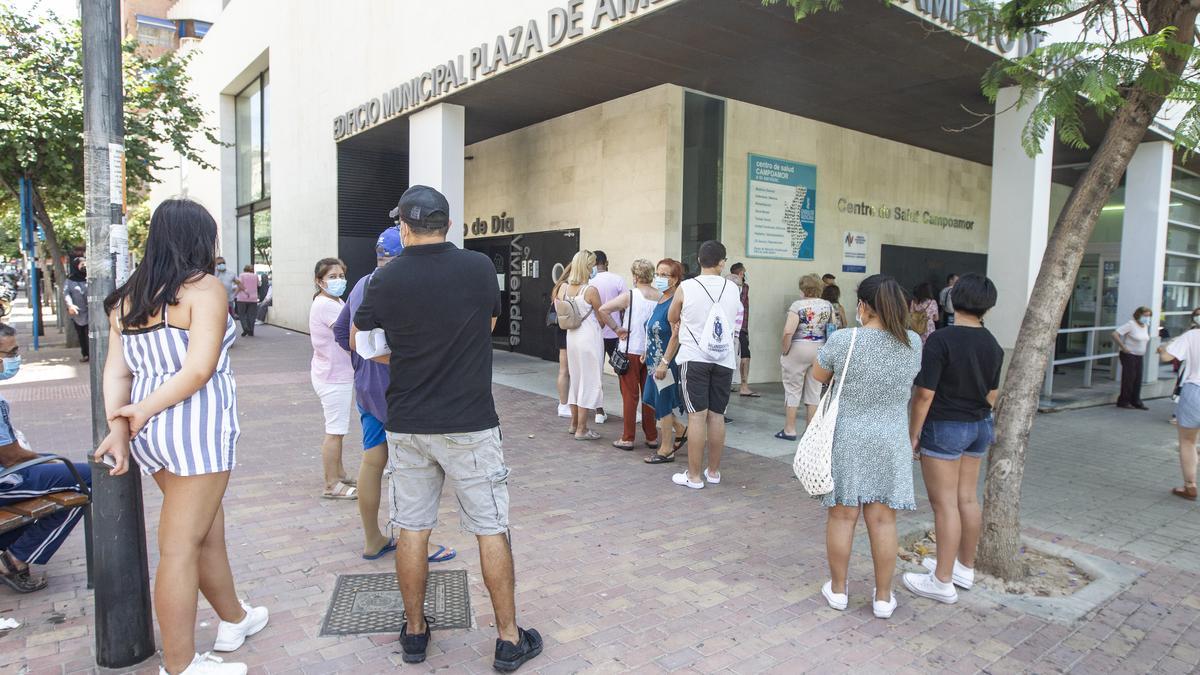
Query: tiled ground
(621, 570)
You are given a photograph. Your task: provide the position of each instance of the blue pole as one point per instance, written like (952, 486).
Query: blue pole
(29, 235)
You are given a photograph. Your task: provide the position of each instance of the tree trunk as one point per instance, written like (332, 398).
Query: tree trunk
(60, 273)
(1017, 407)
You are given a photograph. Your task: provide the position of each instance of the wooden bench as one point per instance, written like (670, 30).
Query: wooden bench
(22, 513)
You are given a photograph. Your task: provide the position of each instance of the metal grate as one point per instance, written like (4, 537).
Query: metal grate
(371, 603)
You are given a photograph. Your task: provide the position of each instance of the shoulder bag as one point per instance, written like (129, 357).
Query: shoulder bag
(813, 463)
(620, 360)
(567, 312)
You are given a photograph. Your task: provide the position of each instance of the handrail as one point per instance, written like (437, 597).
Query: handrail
(1088, 359)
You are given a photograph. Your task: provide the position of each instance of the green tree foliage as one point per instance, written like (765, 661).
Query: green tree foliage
(41, 120)
(1126, 61)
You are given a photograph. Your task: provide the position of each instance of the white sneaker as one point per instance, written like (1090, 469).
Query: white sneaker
(601, 418)
(682, 479)
(838, 601)
(714, 478)
(207, 664)
(564, 410)
(230, 636)
(963, 577)
(929, 586)
(883, 610)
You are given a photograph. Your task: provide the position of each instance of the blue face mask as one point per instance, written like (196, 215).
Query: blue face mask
(221, 267)
(593, 273)
(661, 283)
(1145, 321)
(336, 287)
(11, 365)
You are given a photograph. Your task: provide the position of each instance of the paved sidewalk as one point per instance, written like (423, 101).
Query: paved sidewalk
(623, 571)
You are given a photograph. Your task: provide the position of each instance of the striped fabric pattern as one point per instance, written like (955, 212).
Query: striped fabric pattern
(196, 436)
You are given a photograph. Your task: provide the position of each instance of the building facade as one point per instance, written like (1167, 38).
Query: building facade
(848, 143)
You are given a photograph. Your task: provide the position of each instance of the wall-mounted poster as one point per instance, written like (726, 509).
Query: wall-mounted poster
(854, 253)
(781, 208)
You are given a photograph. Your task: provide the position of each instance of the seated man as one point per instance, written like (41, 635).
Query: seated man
(36, 542)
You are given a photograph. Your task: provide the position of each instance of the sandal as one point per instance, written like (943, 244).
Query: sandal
(784, 436)
(660, 459)
(1187, 492)
(19, 579)
(387, 548)
(591, 435)
(341, 491)
(443, 554)
(679, 442)
(653, 445)
(623, 445)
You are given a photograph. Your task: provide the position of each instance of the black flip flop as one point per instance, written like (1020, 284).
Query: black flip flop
(660, 459)
(784, 437)
(21, 581)
(679, 442)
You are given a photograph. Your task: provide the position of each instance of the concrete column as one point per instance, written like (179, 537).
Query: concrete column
(436, 147)
(1144, 237)
(1019, 223)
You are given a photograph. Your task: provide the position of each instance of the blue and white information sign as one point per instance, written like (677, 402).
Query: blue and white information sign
(781, 208)
(854, 253)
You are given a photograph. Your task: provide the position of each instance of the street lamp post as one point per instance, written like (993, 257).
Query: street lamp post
(124, 626)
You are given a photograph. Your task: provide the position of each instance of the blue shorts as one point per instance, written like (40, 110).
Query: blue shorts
(373, 432)
(943, 439)
(1187, 410)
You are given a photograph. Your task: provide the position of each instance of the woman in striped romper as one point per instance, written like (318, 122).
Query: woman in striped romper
(172, 406)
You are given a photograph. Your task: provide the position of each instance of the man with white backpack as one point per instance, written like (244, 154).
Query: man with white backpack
(706, 315)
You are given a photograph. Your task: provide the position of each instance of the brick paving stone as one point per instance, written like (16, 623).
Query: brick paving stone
(655, 580)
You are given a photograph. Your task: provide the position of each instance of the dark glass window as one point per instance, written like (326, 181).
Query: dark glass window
(252, 118)
(703, 154)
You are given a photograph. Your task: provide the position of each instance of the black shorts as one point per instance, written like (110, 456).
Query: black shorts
(744, 344)
(705, 386)
(560, 337)
(610, 345)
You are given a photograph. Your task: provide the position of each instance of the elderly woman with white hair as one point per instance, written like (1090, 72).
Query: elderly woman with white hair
(636, 307)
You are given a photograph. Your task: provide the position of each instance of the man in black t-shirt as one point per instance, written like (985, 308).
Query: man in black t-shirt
(437, 305)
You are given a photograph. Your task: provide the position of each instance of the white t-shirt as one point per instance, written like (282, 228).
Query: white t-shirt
(1135, 336)
(696, 305)
(1186, 348)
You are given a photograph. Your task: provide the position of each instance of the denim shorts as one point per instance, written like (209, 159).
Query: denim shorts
(1187, 410)
(943, 439)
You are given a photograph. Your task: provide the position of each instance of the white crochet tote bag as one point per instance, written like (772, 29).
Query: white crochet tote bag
(813, 463)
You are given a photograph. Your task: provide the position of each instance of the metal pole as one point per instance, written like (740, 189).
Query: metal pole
(124, 626)
(1087, 365)
(29, 241)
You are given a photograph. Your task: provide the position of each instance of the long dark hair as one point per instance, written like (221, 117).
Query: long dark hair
(181, 247)
(923, 292)
(886, 298)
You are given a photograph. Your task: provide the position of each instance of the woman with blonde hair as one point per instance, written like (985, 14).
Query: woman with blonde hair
(585, 346)
(637, 305)
(560, 339)
(804, 333)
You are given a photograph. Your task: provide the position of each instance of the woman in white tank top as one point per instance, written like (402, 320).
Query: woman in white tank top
(635, 306)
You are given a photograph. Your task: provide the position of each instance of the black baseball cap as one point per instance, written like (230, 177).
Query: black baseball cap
(419, 204)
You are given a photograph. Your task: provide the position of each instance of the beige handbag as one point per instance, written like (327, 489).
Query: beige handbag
(813, 463)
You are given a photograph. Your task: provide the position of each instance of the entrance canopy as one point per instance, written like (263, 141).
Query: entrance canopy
(870, 68)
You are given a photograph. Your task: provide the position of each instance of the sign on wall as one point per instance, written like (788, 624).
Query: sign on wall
(781, 208)
(854, 253)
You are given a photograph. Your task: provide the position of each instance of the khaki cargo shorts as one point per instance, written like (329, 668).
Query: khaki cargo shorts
(419, 464)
